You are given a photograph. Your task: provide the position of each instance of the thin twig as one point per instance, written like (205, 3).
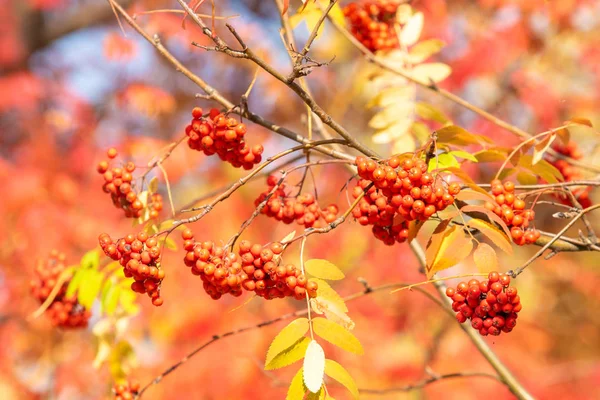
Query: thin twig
(427, 381)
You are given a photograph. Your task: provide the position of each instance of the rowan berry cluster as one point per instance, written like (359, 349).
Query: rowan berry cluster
(139, 255)
(254, 268)
(402, 191)
(372, 22)
(126, 391)
(491, 305)
(512, 211)
(118, 182)
(224, 136)
(303, 209)
(65, 312)
(570, 173)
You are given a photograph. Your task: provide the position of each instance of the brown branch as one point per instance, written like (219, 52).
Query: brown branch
(427, 381)
(214, 94)
(371, 57)
(503, 372)
(366, 291)
(246, 52)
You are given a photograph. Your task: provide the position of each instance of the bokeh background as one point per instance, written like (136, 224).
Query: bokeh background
(72, 85)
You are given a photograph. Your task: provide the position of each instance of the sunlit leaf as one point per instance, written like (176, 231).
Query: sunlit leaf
(337, 335)
(393, 114)
(323, 269)
(393, 132)
(430, 113)
(90, 286)
(75, 282)
(463, 154)
(336, 372)
(332, 311)
(153, 185)
(411, 31)
(490, 155)
(541, 148)
(452, 247)
(286, 338)
(430, 72)
(91, 259)
(393, 95)
(424, 49)
(327, 293)
(314, 366)
(467, 195)
(111, 301)
(526, 178)
(485, 258)
(490, 214)
(290, 355)
(127, 302)
(297, 389)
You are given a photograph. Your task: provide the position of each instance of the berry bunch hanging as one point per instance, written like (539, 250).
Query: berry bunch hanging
(570, 173)
(126, 391)
(139, 255)
(402, 191)
(303, 209)
(491, 305)
(255, 268)
(65, 312)
(118, 182)
(224, 136)
(512, 210)
(372, 22)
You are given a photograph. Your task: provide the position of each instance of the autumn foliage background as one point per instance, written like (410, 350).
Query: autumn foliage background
(72, 85)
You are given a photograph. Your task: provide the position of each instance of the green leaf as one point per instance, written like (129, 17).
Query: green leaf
(323, 269)
(314, 367)
(337, 335)
(464, 154)
(290, 355)
(110, 302)
(75, 282)
(127, 302)
(90, 286)
(336, 372)
(91, 259)
(444, 160)
(286, 338)
(297, 389)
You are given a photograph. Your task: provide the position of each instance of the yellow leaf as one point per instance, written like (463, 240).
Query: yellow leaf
(327, 293)
(425, 49)
(453, 134)
(153, 185)
(413, 229)
(541, 148)
(491, 232)
(466, 195)
(485, 258)
(290, 355)
(323, 269)
(332, 311)
(393, 132)
(288, 237)
(430, 72)
(392, 95)
(297, 389)
(454, 246)
(91, 283)
(336, 372)
(403, 144)
(403, 13)
(314, 367)
(490, 214)
(320, 395)
(431, 113)
(392, 114)
(109, 304)
(491, 155)
(286, 338)
(543, 169)
(527, 178)
(337, 335)
(411, 32)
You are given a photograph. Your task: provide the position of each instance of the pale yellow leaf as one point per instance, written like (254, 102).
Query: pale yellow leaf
(290, 355)
(425, 49)
(314, 366)
(336, 372)
(403, 144)
(403, 13)
(286, 338)
(323, 269)
(541, 148)
(337, 335)
(392, 114)
(485, 258)
(411, 31)
(394, 132)
(430, 72)
(327, 293)
(392, 95)
(332, 311)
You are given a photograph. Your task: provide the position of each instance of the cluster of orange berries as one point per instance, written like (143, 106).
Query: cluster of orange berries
(512, 211)
(491, 305)
(372, 22)
(118, 182)
(303, 209)
(63, 312)
(224, 136)
(126, 391)
(402, 191)
(139, 255)
(255, 268)
(570, 173)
